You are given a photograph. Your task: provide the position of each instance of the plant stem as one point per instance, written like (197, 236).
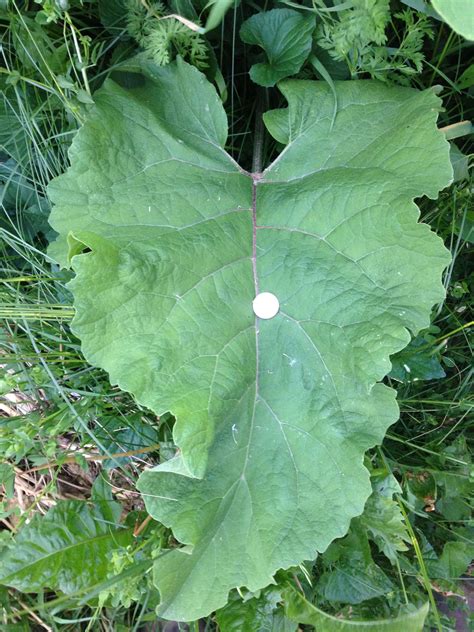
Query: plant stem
(421, 563)
(79, 54)
(258, 138)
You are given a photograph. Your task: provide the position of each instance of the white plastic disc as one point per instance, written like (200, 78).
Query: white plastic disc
(265, 305)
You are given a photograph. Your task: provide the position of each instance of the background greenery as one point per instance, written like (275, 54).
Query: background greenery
(72, 446)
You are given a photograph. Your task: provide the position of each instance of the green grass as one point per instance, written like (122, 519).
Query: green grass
(62, 422)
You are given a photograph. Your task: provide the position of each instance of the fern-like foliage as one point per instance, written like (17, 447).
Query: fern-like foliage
(356, 29)
(358, 37)
(162, 37)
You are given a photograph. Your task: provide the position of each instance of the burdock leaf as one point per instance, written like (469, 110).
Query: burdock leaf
(273, 416)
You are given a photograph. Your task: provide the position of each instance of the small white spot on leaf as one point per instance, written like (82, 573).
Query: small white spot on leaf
(266, 305)
(291, 361)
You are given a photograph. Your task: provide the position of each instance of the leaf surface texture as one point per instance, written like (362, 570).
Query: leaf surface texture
(273, 417)
(68, 549)
(459, 14)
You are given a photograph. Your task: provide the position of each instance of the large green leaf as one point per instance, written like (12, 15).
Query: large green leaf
(273, 416)
(299, 609)
(68, 549)
(459, 14)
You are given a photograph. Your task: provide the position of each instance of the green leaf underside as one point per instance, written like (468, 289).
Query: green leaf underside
(68, 549)
(285, 36)
(299, 609)
(273, 416)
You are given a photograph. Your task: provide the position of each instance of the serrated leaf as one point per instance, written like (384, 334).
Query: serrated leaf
(354, 582)
(353, 577)
(299, 609)
(262, 613)
(285, 36)
(68, 549)
(383, 519)
(273, 416)
(459, 14)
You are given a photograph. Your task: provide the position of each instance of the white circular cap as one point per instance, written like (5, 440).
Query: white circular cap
(265, 305)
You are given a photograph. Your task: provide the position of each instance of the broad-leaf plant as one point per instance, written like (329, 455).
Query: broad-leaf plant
(171, 240)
